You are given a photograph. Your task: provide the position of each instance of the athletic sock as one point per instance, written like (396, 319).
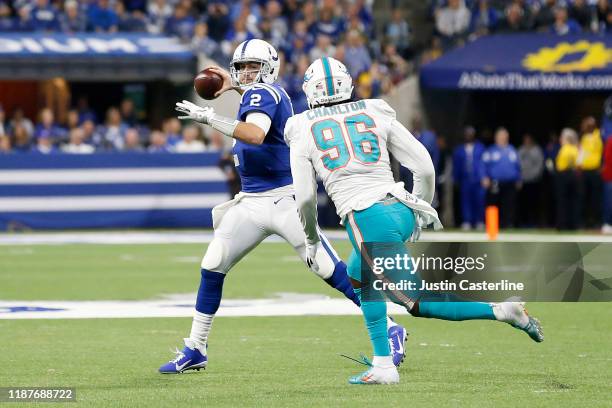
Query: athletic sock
(340, 281)
(455, 310)
(207, 304)
(375, 316)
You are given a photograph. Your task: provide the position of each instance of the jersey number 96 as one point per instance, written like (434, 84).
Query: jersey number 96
(329, 136)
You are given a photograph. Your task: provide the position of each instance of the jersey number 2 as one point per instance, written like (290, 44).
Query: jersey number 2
(329, 137)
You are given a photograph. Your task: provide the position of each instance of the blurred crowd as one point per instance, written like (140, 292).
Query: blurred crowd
(457, 21)
(83, 133)
(564, 184)
(300, 30)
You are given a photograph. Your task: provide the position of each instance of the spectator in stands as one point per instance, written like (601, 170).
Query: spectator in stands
(452, 22)
(532, 167)
(134, 21)
(545, 16)
(580, 11)
(91, 134)
(128, 112)
(484, 19)
(44, 16)
(6, 20)
(101, 17)
(203, 44)
(132, 141)
(44, 143)
(323, 48)
(218, 20)
(329, 23)
(356, 57)
(158, 11)
(72, 120)
(563, 25)
(589, 162)
(180, 24)
(236, 35)
(398, 32)
(427, 138)
(172, 128)
(467, 169)
(502, 177)
(2, 121)
(278, 23)
(566, 182)
(606, 176)
(5, 144)
(21, 139)
(24, 22)
(602, 8)
(397, 66)
(515, 20)
(216, 141)
(158, 142)
(19, 119)
(190, 142)
(434, 51)
(72, 20)
(77, 143)
(85, 112)
(113, 132)
(47, 123)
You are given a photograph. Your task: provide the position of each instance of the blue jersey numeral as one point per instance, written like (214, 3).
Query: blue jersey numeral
(329, 137)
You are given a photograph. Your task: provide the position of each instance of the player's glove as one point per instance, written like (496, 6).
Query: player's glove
(418, 226)
(311, 255)
(195, 112)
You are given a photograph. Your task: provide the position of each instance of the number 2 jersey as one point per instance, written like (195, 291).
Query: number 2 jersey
(348, 146)
(264, 167)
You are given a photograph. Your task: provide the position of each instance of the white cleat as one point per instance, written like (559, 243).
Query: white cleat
(377, 374)
(515, 314)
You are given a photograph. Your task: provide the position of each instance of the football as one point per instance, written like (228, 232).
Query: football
(207, 83)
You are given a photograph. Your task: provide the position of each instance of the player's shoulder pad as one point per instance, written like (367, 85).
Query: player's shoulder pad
(265, 90)
(383, 107)
(292, 132)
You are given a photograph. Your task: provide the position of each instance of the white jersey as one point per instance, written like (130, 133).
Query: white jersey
(348, 146)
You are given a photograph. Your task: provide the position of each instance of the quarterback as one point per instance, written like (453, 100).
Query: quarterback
(347, 143)
(266, 204)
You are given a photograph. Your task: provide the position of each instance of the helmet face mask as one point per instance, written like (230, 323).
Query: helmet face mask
(254, 52)
(327, 81)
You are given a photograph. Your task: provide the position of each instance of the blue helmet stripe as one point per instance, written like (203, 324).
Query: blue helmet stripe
(244, 48)
(329, 80)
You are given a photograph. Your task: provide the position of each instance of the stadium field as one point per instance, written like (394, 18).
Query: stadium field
(275, 361)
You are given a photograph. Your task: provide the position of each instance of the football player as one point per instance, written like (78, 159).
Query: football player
(266, 204)
(347, 143)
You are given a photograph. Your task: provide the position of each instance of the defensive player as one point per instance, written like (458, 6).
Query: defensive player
(348, 143)
(266, 204)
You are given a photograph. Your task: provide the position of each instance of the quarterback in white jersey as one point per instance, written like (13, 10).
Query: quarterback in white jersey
(347, 143)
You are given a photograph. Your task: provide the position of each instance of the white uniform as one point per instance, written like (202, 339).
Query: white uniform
(348, 146)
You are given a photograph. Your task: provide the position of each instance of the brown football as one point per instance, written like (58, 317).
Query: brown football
(207, 83)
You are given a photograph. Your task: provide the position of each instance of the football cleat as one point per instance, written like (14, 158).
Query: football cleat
(376, 375)
(190, 358)
(397, 343)
(516, 315)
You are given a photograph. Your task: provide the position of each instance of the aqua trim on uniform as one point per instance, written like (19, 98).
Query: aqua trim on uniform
(329, 79)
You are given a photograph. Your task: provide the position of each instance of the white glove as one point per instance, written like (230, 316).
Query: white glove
(311, 255)
(418, 226)
(195, 112)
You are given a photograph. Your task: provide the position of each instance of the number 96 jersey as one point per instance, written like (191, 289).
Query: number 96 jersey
(348, 146)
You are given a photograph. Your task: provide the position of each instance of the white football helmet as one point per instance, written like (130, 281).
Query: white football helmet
(255, 51)
(327, 81)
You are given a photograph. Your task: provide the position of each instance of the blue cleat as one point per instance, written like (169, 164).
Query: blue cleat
(190, 358)
(397, 341)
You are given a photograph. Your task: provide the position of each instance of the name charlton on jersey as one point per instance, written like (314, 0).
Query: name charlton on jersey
(336, 110)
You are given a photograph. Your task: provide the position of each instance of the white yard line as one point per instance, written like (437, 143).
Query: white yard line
(205, 236)
(286, 305)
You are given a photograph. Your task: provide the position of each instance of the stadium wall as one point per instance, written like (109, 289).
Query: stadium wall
(106, 190)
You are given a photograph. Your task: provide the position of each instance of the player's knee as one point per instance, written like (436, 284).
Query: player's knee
(213, 258)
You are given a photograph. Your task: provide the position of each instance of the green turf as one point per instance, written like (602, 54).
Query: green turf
(277, 361)
(294, 362)
(126, 272)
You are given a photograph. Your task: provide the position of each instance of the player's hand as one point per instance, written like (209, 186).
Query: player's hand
(418, 226)
(227, 80)
(195, 112)
(311, 255)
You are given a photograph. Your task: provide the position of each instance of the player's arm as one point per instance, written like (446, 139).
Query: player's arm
(413, 155)
(253, 130)
(305, 185)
